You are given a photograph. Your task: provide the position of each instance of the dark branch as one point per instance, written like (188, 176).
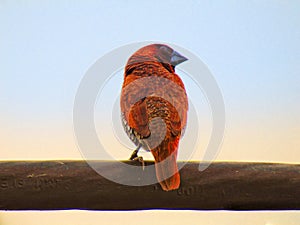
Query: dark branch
(54, 185)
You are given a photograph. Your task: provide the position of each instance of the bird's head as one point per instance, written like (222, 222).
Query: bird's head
(157, 53)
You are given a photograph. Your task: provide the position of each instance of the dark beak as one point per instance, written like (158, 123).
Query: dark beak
(176, 58)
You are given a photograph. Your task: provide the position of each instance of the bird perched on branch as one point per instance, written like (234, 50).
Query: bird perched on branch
(154, 107)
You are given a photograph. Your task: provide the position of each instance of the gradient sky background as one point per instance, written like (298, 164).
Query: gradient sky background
(251, 47)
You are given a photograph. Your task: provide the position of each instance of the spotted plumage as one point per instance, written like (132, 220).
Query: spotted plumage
(154, 107)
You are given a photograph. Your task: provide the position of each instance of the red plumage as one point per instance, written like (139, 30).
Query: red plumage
(154, 107)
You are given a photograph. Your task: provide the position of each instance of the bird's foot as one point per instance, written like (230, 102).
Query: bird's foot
(134, 156)
(141, 160)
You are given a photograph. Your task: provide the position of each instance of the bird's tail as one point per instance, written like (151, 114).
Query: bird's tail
(165, 156)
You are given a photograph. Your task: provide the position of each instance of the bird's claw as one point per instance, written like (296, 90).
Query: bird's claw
(139, 159)
(134, 156)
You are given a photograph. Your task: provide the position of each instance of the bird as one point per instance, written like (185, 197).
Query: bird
(154, 107)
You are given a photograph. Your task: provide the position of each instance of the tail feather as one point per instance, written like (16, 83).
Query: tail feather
(163, 171)
(166, 168)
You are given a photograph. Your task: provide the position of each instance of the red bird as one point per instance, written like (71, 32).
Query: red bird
(154, 108)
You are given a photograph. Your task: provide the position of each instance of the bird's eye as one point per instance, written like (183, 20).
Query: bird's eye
(165, 50)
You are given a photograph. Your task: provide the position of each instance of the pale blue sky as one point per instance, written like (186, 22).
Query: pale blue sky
(251, 47)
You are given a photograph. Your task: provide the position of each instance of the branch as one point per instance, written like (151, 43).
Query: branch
(52, 185)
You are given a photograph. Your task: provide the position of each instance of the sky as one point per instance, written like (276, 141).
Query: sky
(251, 47)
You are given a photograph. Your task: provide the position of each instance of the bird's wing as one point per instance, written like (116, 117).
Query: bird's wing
(178, 116)
(176, 123)
(138, 118)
